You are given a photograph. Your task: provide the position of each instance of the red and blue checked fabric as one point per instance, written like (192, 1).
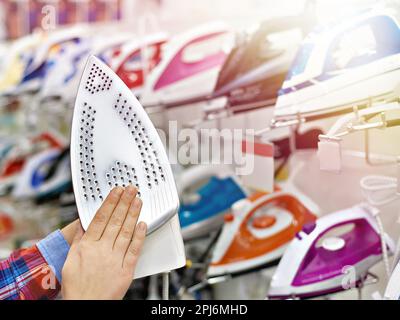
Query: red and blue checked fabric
(25, 275)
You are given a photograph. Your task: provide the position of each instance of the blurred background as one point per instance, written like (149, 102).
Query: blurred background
(43, 48)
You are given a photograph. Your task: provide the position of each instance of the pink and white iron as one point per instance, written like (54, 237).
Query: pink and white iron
(189, 69)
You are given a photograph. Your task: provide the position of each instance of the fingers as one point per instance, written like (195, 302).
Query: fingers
(125, 235)
(135, 247)
(100, 220)
(69, 231)
(118, 217)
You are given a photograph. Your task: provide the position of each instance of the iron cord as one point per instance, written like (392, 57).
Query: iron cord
(386, 187)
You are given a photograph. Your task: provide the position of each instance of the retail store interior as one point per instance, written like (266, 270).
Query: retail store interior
(280, 120)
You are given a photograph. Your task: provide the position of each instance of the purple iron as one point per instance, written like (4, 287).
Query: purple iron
(331, 255)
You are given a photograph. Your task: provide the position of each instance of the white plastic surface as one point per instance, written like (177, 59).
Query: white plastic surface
(333, 243)
(111, 144)
(329, 154)
(115, 143)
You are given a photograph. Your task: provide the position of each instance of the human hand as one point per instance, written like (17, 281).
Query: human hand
(101, 261)
(69, 231)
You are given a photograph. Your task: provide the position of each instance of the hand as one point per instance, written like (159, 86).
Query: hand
(69, 230)
(101, 261)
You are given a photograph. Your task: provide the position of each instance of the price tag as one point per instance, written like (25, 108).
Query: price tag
(259, 159)
(329, 154)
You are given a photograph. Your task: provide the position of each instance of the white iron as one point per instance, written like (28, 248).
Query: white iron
(115, 143)
(123, 147)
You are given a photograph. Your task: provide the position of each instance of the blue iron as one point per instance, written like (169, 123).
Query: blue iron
(206, 213)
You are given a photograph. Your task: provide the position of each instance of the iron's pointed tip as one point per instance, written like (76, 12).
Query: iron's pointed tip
(92, 59)
(93, 62)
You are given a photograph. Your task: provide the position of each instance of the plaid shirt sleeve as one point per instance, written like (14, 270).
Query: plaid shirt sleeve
(34, 273)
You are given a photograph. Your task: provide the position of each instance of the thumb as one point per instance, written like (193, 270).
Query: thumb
(78, 232)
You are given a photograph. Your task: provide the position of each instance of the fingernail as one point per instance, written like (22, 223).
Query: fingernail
(142, 226)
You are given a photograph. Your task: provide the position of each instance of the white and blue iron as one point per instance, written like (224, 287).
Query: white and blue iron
(351, 63)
